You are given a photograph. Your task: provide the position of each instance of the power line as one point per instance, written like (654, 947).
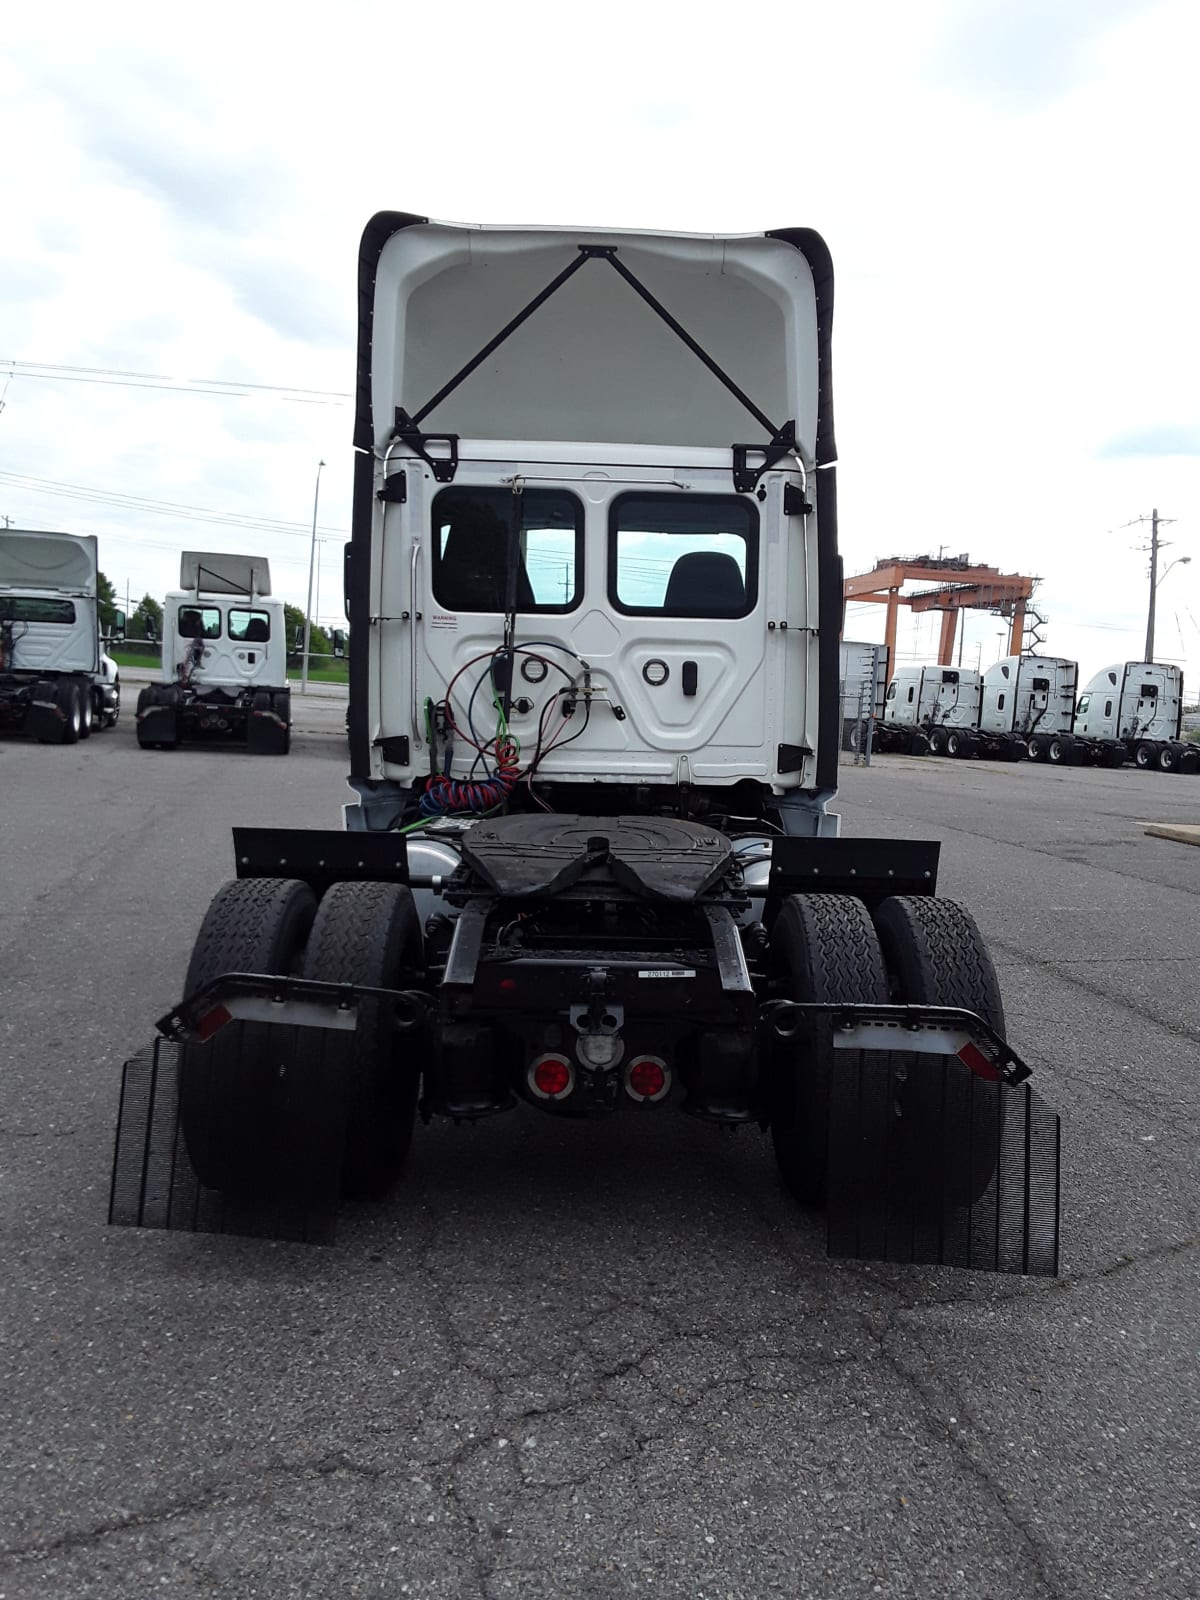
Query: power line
(230, 388)
(161, 508)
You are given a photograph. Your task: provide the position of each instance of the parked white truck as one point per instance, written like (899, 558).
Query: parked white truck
(224, 659)
(862, 673)
(931, 709)
(1132, 711)
(56, 681)
(592, 867)
(996, 717)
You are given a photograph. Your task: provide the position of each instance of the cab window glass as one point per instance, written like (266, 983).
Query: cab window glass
(683, 555)
(1084, 703)
(249, 627)
(35, 608)
(199, 622)
(472, 529)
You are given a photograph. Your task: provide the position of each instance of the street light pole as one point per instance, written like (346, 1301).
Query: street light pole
(312, 556)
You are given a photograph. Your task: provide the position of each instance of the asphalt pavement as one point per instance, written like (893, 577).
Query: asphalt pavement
(601, 1359)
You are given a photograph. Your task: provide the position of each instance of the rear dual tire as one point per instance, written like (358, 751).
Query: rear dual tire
(230, 1088)
(919, 950)
(67, 722)
(258, 1102)
(160, 729)
(269, 728)
(824, 951)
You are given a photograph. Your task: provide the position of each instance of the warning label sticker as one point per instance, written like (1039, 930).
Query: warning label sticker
(443, 619)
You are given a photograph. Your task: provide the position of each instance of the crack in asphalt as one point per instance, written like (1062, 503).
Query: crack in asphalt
(1120, 1002)
(1040, 1553)
(329, 1463)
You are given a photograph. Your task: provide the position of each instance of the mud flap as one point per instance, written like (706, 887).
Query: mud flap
(936, 1159)
(154, 1184)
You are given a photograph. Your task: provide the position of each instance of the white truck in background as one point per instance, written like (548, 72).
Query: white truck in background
(934, 709)
(1025, 706)
(224, 659)
(1132, 711)
(56, 682)
(862, 677)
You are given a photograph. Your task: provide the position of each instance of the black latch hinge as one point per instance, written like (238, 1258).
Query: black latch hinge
(791, 757)
(795, 502)
(395, 748)
(395, 489)
(410, 433)
(745, 477)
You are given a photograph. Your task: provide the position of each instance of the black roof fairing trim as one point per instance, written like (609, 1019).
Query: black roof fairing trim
(816, 252)
(375, 235)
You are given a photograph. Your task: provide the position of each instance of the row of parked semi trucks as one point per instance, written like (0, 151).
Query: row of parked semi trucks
(1023, 707)
(224, 649)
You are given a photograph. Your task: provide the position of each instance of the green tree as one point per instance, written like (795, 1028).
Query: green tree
(147, 620)
(319, 644)
(106, 599)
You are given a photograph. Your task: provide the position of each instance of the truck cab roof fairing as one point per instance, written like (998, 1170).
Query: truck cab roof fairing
(36, 560)
(433, 295)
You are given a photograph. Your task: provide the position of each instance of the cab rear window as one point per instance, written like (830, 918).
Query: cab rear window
(36, 608)
(199, 622)
(683, 555)
(249, 627)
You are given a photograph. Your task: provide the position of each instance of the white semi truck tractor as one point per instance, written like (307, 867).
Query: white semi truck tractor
(56, 681)
(592, 865)
(224, 659)
(932, 709)
(1129, 712)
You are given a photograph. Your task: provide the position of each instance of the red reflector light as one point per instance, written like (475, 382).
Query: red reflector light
(972, 1056)
(551, 1077)
(508, 983)
(646, 1078)
(212, 1020)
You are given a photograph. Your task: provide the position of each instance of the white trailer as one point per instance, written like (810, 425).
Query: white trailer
(224, 659)
(862, 675)
(1129, 712)
(55, 679)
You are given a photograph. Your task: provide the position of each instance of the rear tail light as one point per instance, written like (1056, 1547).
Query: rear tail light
(647, 1078)
(551, 1077)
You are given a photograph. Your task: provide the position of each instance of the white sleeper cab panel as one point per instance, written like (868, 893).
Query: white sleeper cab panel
(1132, 700)
(48, 595)
(1029, 694)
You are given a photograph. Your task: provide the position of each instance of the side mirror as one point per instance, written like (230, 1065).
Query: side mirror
(151, 631)
(338, 635)
(346, 549)
(117, 631)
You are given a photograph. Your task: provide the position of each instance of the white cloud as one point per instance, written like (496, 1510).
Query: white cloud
(1007, 191)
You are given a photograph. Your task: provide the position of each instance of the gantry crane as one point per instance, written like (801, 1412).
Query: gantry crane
(961, 584)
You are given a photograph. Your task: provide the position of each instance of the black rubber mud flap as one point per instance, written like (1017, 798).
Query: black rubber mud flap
(155, 1186)
(884, 1205)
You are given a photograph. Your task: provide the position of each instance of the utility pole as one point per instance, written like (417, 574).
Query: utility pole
(1156, 522)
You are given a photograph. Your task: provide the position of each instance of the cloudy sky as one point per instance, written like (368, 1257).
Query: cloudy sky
(1008, 188)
